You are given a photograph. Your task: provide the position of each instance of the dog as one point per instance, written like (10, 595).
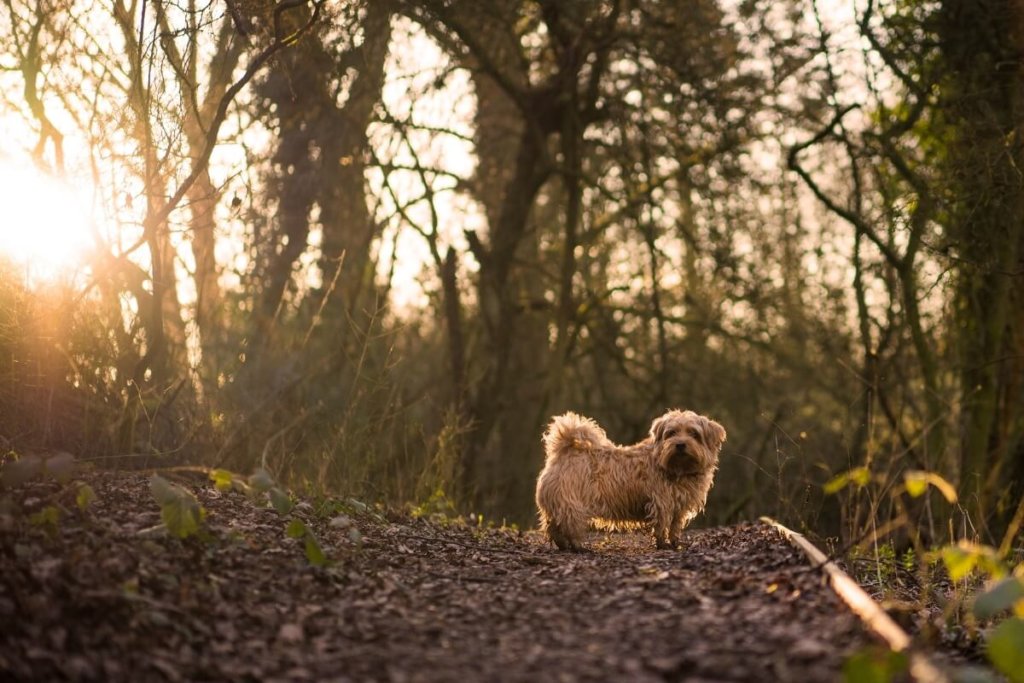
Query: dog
(661, 482)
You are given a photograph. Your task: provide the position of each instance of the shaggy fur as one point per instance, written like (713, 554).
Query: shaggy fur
(663, 481)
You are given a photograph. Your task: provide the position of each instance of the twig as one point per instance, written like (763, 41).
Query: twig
(201, 162)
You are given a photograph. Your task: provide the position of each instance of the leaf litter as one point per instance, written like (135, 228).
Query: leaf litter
(98, 595)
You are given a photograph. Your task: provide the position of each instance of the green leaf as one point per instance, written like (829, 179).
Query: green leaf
(60, 466)
(295, 529)
(944, 487)
(966, 557)
(860, 476)
(999, 597)
(357, 505)
(280, 500)
(959, 561)
(1006, 649)
(836, 483)
(17, 472)
(180, 510)
(917, 481)
(182, 516)
(222, 479)
(163, 491)
(261, 481)
(49, 516)
(874, 664)
(85, 497)
(314, 553)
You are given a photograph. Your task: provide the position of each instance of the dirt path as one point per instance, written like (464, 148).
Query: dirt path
(103, 597)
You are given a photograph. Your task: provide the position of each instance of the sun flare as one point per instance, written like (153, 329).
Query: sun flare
(44, 220)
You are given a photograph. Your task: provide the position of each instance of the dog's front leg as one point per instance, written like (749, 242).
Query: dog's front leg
(662, 523)
(676, 530)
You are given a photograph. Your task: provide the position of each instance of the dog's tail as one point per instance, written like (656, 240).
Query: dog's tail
(571, 432)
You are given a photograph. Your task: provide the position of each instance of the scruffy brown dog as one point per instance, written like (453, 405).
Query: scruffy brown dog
(663, 481)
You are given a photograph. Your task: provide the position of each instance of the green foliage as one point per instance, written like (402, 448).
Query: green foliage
(909, 560)
(1001, 596)
(1006, 649)
(858, 476)
(1003, 593)
(280, 500)
(260, 481)
(875, 664)
(959, 562)
(887, 564)
(223, 480)
(962, 561)
(315, 555)
(17, 472)
(916, 483)
(84, 497)
(59, 466)
(437, 506)
(345, 522)
(180, 511)
(296, 528)
(48, 518)
(966, 557)
(260, 485)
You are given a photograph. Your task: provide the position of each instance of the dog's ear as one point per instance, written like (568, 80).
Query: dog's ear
(714, 433)
(658, 428)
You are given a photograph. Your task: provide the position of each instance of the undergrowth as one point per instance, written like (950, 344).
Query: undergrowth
(330, 409)
(961, 594)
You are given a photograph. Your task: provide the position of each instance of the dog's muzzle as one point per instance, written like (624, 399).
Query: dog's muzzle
(684, 461)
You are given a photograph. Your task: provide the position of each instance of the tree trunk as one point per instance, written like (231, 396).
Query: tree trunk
(348, 227)
(503, 453)
(981, 42)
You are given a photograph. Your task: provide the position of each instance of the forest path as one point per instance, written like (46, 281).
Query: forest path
(101, 596)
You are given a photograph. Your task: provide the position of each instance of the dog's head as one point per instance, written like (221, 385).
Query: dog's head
(687, 443)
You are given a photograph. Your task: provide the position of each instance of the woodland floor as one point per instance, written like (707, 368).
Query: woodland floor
(102, 596)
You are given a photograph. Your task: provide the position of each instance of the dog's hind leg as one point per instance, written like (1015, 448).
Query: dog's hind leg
(562, 540)
(568, 531)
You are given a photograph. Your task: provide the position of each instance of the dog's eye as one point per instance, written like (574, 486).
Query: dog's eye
(669, 433)
(693, 432)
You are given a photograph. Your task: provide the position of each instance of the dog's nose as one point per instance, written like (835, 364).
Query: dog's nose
(681, 449)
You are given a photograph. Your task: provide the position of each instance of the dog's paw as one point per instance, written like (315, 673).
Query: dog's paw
(570, 547)
(577, 548)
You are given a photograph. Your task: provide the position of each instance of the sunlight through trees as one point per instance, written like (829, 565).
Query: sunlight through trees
(375, 245)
